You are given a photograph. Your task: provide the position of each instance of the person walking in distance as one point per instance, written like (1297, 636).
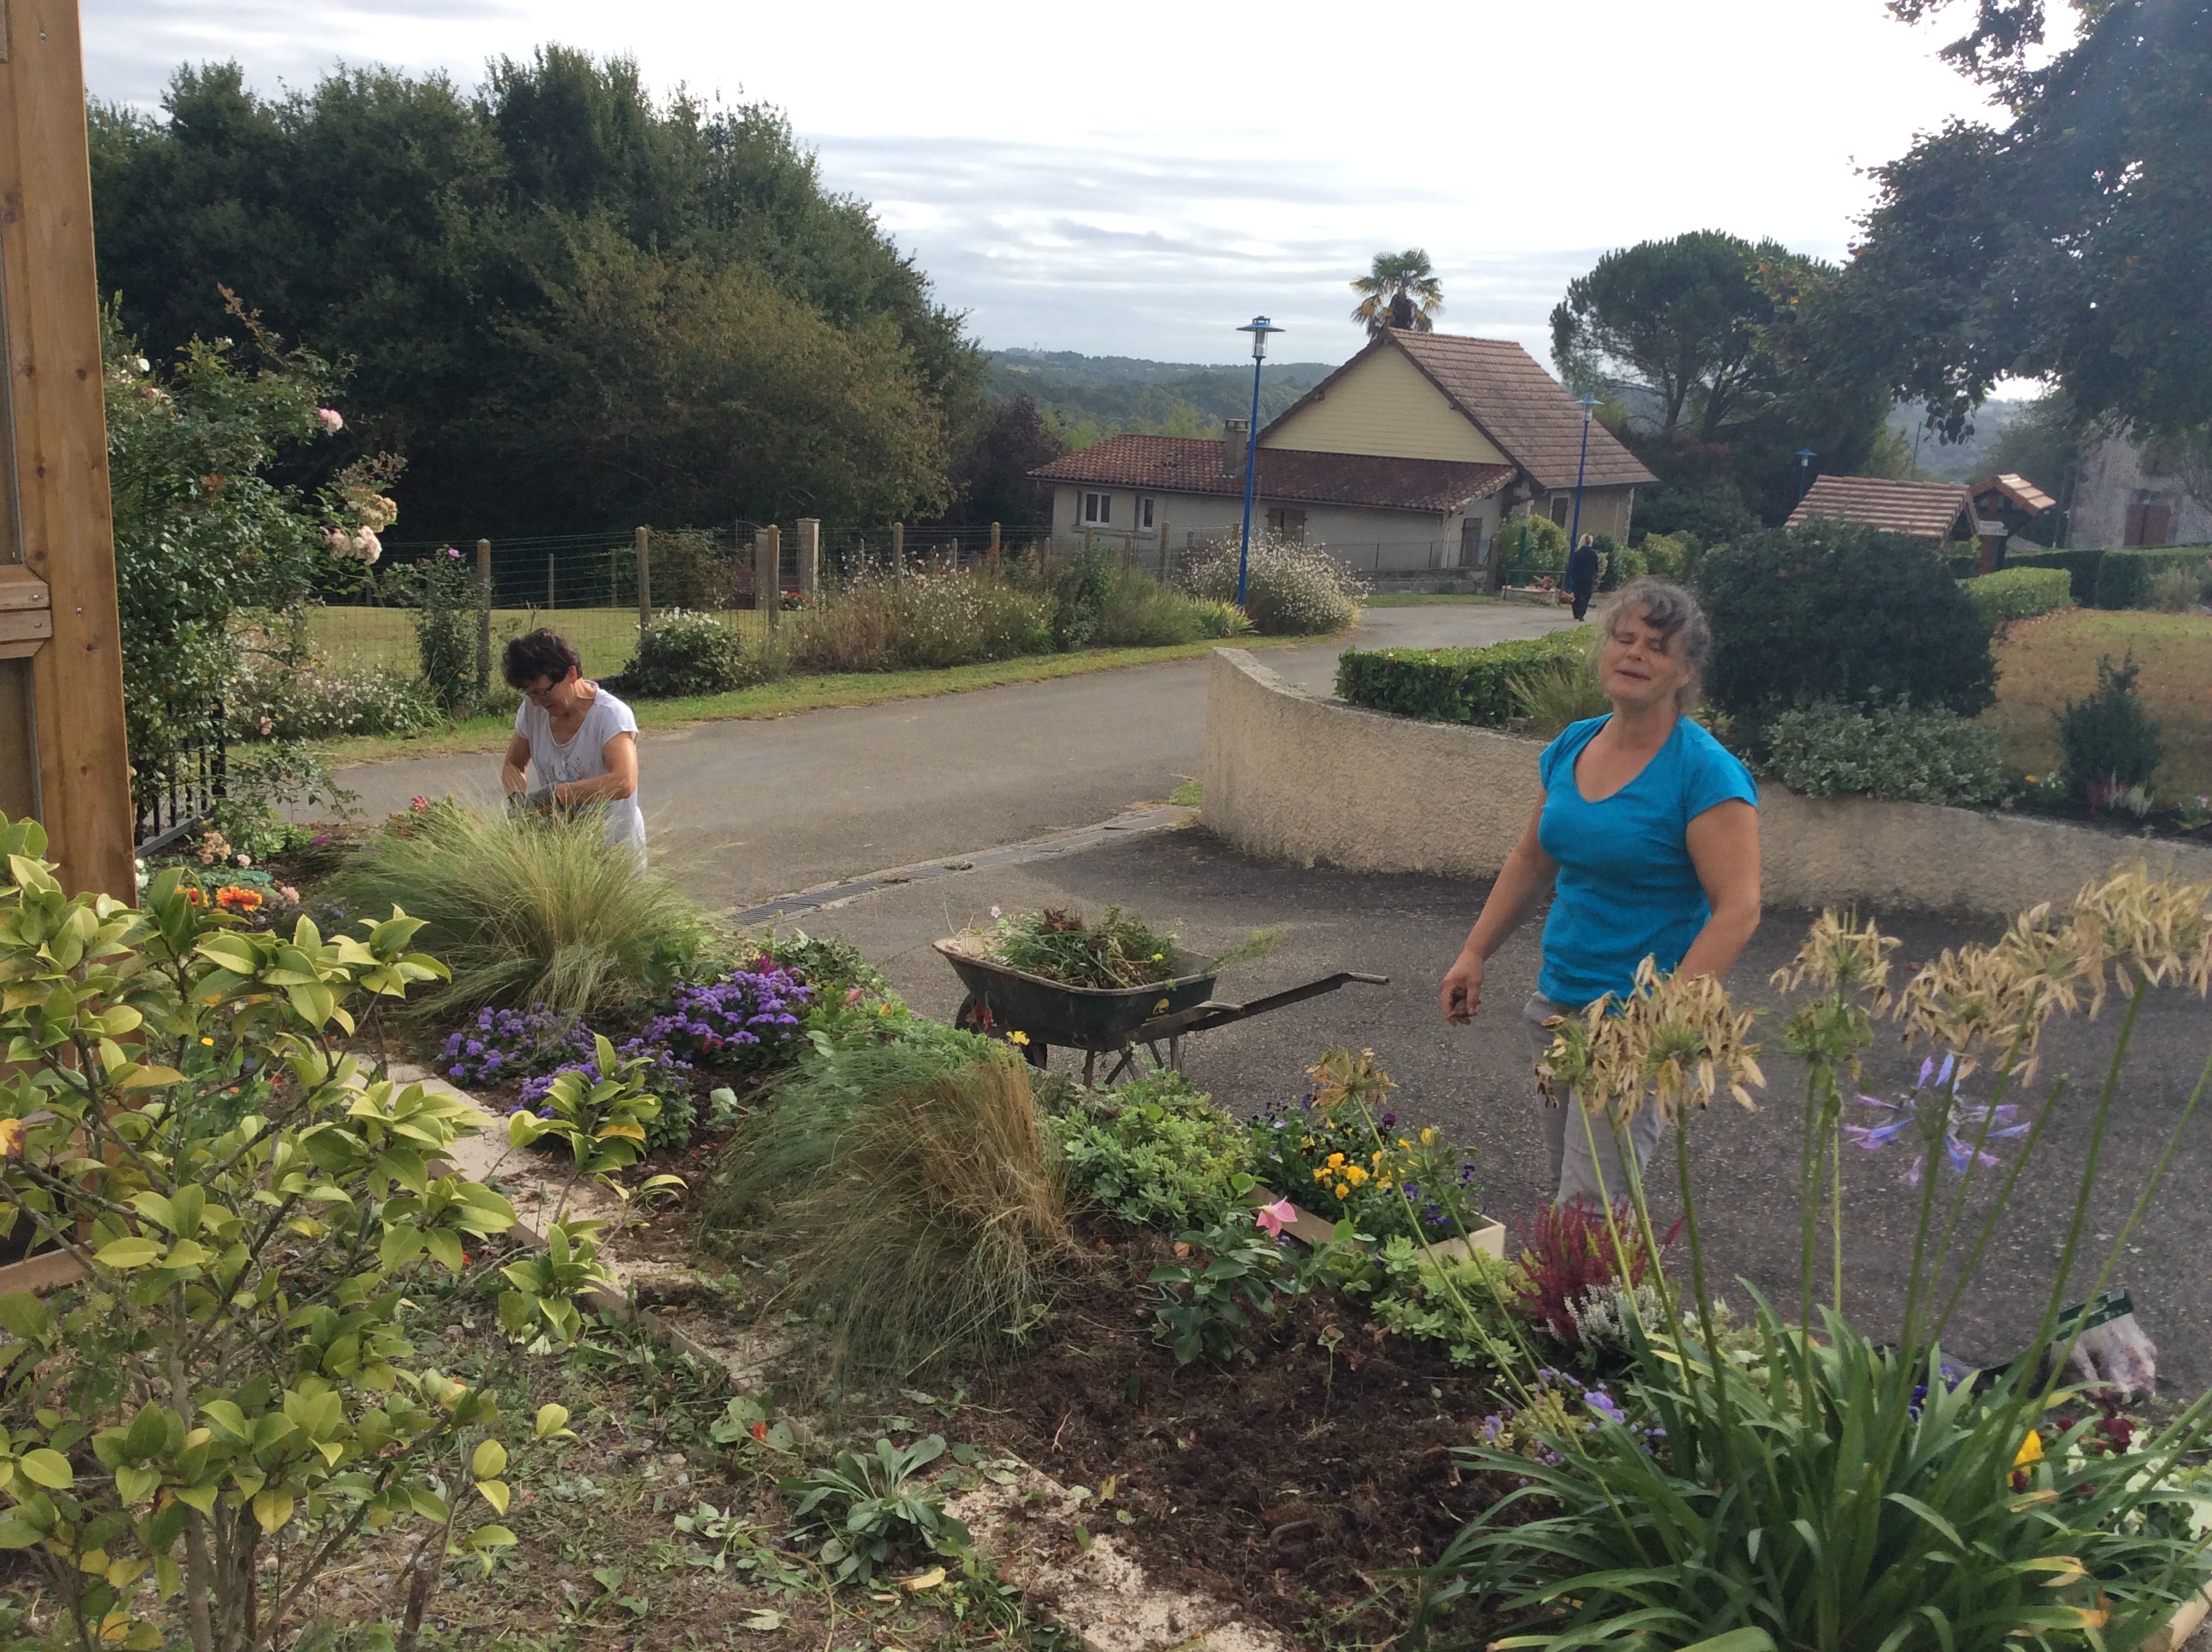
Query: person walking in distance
(1582, 570)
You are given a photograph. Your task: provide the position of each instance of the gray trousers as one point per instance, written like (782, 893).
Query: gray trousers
(1586, 1165)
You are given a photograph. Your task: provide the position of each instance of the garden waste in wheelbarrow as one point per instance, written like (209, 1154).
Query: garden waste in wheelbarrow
(1107, 1020)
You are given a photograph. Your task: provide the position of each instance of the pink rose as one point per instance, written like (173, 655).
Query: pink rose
(332, 420)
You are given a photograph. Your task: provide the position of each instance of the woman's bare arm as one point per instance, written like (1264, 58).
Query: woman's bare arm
(514, 772)
(620, 755)
(1523, 881)
(1723, 843)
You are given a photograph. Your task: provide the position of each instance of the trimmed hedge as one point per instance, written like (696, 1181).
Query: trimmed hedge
(2081, 567)
(2124, 576)
(2012, 593)
(1450, 685)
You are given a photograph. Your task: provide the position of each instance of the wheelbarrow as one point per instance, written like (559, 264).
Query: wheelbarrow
(1117, 1021)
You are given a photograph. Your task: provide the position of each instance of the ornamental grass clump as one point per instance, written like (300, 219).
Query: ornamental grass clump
(1820, 1488)
(936, 1227)
(536, 911)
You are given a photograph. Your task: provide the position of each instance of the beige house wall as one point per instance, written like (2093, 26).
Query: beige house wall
(1317, 782)
(1368, 539)
(1384, 406)
(1604, 510)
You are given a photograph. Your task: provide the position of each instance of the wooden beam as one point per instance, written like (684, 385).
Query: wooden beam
(60, 457)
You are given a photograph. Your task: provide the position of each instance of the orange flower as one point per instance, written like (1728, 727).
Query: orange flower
(231, 897)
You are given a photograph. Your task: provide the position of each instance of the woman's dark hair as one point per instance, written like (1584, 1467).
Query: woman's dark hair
(539, 654)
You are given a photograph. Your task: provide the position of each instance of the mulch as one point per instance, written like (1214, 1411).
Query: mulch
(1304, 1485)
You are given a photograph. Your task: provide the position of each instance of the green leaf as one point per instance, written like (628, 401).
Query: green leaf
(273, 1509)
(48, 1469)
(491, 1537)
(494, 1493)
(15, 1534)
(137, 1484)
(1736, 1640)
(489, 1460)
(445, 1246)
(22, 1315)
(125, 1254)
(551, 1420)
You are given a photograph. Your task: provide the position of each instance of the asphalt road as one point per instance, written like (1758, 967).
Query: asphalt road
(1475, 1081)
(740, 810)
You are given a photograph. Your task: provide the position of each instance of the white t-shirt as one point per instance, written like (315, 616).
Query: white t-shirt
(583, 756)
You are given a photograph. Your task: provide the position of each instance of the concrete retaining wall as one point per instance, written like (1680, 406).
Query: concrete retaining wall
(1294, 778)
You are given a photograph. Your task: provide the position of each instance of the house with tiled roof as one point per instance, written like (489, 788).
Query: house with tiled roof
(1938, 512)
(1408, 457)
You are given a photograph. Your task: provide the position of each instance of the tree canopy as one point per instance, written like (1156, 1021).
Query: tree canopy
(525, 281)
(1721, 353)
(1400, 289)
(2071, 244)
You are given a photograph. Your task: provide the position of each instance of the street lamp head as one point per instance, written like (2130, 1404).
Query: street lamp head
(1260, 327)
(1806, 456)
(1588, 405)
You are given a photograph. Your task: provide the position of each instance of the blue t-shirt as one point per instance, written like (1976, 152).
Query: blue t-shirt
(1627, 889)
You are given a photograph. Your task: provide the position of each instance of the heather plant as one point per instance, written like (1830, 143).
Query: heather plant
(1827, 1490)
(203, 1422)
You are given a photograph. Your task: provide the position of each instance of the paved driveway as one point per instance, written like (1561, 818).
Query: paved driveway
(743, 809)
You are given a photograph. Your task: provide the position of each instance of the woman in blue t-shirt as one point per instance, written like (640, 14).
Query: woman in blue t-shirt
(1648, 839)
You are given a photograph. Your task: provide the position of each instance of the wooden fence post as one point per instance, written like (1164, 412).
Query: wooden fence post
(644, 582)
(483, 618)
(763, 575)
(809, 559)
(898, 544)
(774, 576)
(995, 540)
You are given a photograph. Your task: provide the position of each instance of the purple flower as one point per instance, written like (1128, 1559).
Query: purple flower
(1933, 1111)
(1603, 1403)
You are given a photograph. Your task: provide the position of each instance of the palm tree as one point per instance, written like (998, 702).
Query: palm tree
(1401, 291)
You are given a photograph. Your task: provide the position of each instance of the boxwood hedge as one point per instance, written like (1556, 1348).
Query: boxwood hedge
(1450, 685)
(2124, 576)
(2013, 593)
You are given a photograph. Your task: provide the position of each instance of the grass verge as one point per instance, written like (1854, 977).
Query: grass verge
(2045, 662)
(1422, 599)
(794, 695)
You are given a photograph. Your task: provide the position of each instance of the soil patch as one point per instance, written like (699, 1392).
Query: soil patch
(1301, 1486)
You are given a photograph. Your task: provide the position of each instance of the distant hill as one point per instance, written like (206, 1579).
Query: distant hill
(1971, 460)
(1099, 396)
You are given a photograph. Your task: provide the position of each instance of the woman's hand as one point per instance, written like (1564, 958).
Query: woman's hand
(1462, 989)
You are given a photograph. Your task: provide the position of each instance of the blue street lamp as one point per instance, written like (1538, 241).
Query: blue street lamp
(1582, 464)
(1260, 327)
(1805, 458)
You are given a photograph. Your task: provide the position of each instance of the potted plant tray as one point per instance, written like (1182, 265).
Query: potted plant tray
(1315, 1230)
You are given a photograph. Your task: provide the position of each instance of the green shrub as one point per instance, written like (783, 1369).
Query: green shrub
(919, 618)
(2108, 741)
(230, 1383)
(2081, 566)
(1078, 586)
(1528, 544)
(541, 910)
(2177, 590)
(1157, 1153)
(447, 609)
(2125, 575)
(1560, 692)
(1668, 555)
(1140, 612)
(1617, 563)
(2013, 593)
(1831, 611)
(685, 652)
(276, 698)
(1895, 752)
(1451, 685)
(1289, 589)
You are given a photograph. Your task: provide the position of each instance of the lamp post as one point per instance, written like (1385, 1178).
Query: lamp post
(1259, 327)
(1805, 458)
(1575, 533)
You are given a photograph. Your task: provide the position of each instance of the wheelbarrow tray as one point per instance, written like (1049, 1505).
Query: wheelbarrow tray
(1098, 1019)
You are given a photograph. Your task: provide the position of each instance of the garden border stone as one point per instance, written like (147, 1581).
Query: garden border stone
(1292, 777)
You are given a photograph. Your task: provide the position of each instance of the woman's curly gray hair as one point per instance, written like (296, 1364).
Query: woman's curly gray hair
(1673, 612)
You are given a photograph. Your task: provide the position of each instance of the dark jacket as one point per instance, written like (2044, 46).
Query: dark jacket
(1583, 565)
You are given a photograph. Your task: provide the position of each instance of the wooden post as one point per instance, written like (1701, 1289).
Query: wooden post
(644, 581)
(483, 619)
(774, 576)
(809, 559)
(764, 574)
(898, 544)
(548, 581)
(995, 541)
(63, 747)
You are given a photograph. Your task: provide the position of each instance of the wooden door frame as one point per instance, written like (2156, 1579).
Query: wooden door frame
(50, 288)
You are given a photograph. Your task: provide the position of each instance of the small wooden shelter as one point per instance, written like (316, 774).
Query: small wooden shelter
(61, 750)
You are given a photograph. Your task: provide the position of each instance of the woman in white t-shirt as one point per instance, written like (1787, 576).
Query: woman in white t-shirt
(573, 738)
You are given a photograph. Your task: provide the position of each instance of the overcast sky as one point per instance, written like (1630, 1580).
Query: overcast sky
(1137, 178)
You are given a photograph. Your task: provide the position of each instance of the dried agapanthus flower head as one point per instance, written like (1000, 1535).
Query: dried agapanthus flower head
(2137, 926)
(1339, 1076)
(1841, 955)
(1675, 1043)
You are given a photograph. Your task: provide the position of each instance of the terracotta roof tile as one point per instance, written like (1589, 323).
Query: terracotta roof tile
(2019, 491)
(1189, 464)
(1919, 510)
(1521, 408)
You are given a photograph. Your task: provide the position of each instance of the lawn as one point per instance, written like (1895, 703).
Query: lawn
(606, 637)
(2044, 663)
